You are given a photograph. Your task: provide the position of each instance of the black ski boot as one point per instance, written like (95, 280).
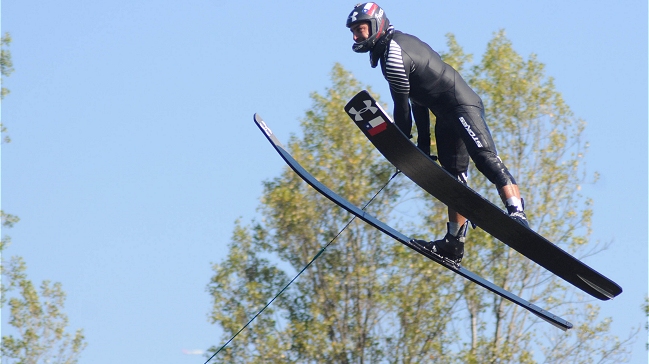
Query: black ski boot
(450, 247)
(520, 217)
(518, 213)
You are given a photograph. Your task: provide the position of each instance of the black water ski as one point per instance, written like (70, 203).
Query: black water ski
(403, 154)
(307, 177)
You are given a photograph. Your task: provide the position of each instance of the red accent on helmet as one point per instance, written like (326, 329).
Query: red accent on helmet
(375, 16)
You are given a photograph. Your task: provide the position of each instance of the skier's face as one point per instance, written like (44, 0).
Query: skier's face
(361, 31)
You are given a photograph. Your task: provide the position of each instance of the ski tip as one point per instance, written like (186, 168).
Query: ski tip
(607, 295)
(556, 321)
(266, 130)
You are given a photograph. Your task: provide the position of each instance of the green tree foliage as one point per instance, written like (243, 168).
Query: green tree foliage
(6, 65)
(39, 321)
(542, 144)
(8, 221)
(367, 298)
(6, 68)
(645, 308)
(38, 333)
(36, 318)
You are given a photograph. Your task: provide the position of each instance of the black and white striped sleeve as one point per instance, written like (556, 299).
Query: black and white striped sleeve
(395, 70)
(397, 74)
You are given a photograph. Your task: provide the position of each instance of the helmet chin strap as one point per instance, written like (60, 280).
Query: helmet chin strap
(378, 49)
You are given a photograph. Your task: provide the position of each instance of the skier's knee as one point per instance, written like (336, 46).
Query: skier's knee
(489, 164)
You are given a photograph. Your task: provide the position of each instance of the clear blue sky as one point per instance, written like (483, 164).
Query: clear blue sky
(134, 149)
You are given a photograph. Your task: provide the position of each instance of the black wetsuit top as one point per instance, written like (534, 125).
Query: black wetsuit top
(417, 75)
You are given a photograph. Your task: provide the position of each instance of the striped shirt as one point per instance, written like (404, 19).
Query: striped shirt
(395, 70)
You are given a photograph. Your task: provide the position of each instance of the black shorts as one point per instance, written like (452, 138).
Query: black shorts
(462, 133)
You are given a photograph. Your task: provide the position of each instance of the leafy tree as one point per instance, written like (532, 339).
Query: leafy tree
(8, 221)
(367, 298)
(6, 68)
(645, 308)
(542, 144)
(38, 319)
(40, 322)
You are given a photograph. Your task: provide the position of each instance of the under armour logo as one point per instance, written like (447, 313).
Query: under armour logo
(353, 16)
(368, 106)
(265, 128)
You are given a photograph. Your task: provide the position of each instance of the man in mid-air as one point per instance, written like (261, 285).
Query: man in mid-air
(420, 81)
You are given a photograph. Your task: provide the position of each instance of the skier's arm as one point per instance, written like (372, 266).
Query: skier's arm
(402, 116)
(422, 119)
(397, 73)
